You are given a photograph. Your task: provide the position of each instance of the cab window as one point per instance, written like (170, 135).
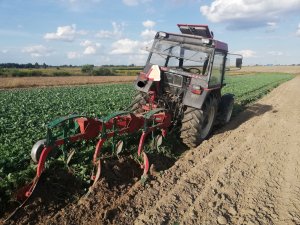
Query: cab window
(217, 69)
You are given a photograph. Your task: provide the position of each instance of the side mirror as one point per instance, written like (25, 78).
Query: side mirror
(238, 63)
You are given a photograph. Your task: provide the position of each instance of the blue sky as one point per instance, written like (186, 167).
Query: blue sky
(115, 32)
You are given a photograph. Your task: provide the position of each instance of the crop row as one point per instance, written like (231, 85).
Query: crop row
(24, 114)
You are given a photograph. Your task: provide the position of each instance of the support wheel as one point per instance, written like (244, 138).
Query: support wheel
(198, 123)
(37, 149)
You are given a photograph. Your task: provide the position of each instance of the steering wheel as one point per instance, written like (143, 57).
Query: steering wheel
(194, 70)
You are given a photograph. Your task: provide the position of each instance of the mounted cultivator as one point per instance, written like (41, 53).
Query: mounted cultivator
(77, 128)
(180, 86)
(65, 131)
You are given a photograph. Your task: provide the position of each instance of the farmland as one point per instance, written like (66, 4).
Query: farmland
(25, 82)
(124, 74)
(69, 71)
(24, 114)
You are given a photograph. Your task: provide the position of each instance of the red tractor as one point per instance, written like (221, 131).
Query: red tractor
(184, 74)
(180, 86)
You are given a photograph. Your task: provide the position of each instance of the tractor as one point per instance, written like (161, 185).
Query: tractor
(179, 87)
(185, 74)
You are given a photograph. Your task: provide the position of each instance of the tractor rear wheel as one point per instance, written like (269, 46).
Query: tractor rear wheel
(198, 123)
(138, 102)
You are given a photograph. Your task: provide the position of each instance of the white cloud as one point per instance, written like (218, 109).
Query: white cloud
(247, 13)
(271, 26)
(148, 34)
(73, 55)
(298, 30)
(275, 53)
(135, 2)
(131, 2)
(4, 51)
(65, 33)
(128, 46)
(91, 47)
(82, 1)
(117, 31)
(137, 59)
(149, 23)
(90, 50)
(79, 5)
(247, 53)
(37, 50)
(125, 46)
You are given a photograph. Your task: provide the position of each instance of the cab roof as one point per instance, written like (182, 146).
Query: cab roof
(202, 31)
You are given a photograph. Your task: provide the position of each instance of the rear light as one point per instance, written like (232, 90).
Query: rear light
(196, 89)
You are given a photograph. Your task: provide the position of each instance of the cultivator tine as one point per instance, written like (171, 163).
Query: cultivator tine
(145, 165)
(98, 172)
(24, 195)
(119, 147)
(97, 162)
(70, 156)
(141, 143)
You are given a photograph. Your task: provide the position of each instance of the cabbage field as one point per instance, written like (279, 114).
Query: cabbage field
(24, 114)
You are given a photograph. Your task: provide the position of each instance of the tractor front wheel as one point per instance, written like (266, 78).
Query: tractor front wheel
(198, 123)
(225, 109)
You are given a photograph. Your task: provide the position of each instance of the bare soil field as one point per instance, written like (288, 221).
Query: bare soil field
(22, 82)
(247, 172)
(267, 69)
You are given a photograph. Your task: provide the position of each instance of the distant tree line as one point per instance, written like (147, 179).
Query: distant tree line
(23, 66)
(44, 66)
(29, 66)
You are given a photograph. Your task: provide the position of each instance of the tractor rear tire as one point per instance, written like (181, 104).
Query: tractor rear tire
(138, 102)
(198, 123)
(225, 109)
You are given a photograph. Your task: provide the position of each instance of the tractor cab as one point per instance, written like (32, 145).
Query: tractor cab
(188, 63)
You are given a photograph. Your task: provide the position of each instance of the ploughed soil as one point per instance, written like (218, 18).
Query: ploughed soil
(247, 172)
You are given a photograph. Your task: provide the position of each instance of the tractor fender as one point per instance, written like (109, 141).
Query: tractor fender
(195, 100)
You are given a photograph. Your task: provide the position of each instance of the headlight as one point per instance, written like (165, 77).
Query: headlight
(162, 35)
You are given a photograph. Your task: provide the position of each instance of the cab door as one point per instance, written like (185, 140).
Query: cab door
(217, 69)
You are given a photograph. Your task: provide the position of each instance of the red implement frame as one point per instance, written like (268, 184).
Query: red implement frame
(117, 124)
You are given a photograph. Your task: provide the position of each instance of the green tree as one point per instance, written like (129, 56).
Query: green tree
(103, 72)
(87, 69)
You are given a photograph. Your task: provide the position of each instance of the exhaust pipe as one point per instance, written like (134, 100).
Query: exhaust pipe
(142, 83)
